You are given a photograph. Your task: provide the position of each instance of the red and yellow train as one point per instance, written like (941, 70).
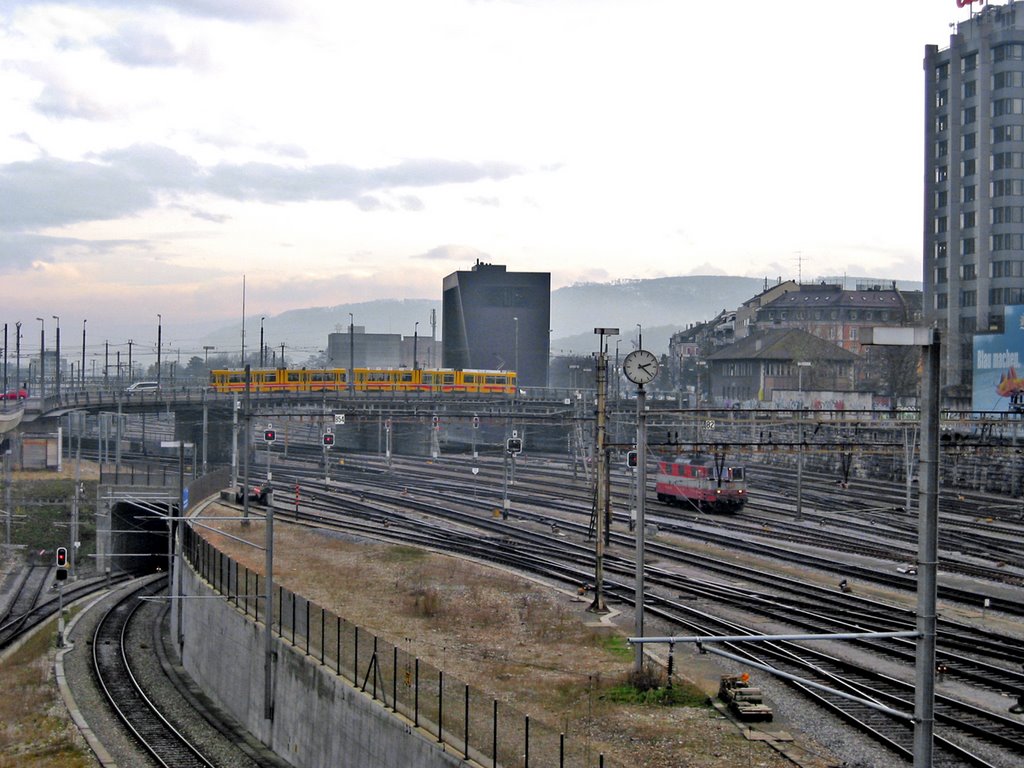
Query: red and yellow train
(443, 380)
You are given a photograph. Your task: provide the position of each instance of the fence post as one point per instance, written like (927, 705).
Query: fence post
(323, 634)
(394, 678)
(355, 655)
(494, 736)
(440, 704)
(561, 750)
(337, 639)
(465, 713)
(416, 696)
(526, 755)
(256, 591)
(307, 627)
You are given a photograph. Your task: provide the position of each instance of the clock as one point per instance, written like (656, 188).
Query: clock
(640, 366)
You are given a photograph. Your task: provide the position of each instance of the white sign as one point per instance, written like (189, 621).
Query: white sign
(339, 418)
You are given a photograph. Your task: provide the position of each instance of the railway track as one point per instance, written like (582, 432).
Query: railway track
(376, 513)
(140, 715)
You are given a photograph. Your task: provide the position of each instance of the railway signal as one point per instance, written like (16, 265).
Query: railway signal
(62, 563)
(514, 445)
(476, 422)
(269, 435)
(434, 421)
(631, 459)
(328, 439)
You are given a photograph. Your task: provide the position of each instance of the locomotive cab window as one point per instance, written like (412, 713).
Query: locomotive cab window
(736, 473)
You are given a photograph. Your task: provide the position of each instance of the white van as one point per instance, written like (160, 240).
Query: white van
(142, 386)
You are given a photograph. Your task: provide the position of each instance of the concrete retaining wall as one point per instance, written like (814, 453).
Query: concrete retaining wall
(319, 719)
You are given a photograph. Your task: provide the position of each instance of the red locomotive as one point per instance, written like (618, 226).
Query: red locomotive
(703, 483)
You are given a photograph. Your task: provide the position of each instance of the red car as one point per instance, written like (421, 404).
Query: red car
(16, 394)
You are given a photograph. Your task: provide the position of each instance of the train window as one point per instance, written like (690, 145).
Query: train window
(378, 376)
(470, 378)
(736, 473)
(449, 378)
(236, 378)
(494, 379)
(428, 378)
(343, 376)
(270, 378)
(406, 377)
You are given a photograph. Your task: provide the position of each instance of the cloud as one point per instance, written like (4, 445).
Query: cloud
(138, 45)
(52, 192)
(227, 10)
(452, 253)
(60, 101)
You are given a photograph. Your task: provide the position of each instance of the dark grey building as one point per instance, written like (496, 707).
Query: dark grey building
(494, 319)
(974, 183)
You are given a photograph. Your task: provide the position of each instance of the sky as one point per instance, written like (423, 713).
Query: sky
(153, 155)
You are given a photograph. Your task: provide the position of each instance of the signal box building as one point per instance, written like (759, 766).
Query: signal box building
(495, 319)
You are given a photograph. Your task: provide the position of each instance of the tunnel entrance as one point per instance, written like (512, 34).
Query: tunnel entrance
(139, 536)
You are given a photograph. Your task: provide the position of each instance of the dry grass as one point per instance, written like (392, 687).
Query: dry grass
(523, 642)
(36, 730)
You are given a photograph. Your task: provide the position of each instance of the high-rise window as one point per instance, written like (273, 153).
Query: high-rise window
(969, 63)
(967, 219)
(968, 141)
(1014, 79)
(970, 89)
(968, 115)
(968, 299)
(967, 272)
(967, 246)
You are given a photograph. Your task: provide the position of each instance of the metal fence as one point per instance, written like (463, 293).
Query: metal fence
(466, 720)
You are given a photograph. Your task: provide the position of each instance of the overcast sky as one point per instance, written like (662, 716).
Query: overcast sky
(152, 153)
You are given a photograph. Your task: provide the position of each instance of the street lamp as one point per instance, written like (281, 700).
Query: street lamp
(262, 348)
(351, 354)
(42, 358)
(516, 344)
(57, 372)
(81, 370)
(415, 343)
(159, 344)
(17, 355)
(131, 372)
(800, 448)
(206, 355)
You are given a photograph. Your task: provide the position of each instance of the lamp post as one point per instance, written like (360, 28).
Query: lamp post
(515, 321)
(131, 372)
(262, 348)
(206, 355)
(42, 358)
(800, 448)
(159, 344)
(415, 343)
(81, 369)
(930, 342)
(17, 356)
(351, 354)
(57, 370)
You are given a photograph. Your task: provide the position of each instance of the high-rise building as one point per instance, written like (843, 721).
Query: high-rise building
(974, 183)
(494, 319)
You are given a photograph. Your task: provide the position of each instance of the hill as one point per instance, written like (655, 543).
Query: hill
(659, 306)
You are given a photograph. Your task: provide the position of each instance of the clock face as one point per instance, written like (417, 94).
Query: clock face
(640, 366)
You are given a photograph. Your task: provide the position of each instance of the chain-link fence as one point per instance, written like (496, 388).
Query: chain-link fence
(466, 720)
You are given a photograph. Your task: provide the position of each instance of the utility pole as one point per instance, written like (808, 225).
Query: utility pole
(602, 495)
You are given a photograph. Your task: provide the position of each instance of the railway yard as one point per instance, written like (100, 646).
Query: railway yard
(834, 555)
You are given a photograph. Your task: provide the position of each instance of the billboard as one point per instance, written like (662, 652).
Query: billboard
(998, 383)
